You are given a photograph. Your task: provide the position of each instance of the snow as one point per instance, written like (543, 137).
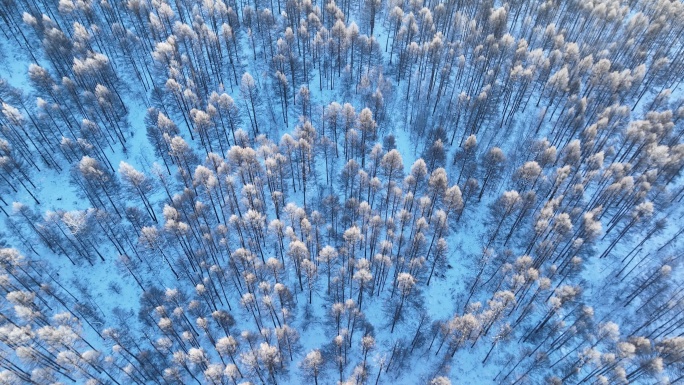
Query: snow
(111, 288)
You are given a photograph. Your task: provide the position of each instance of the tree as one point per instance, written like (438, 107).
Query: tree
(367, 127)
(504, 207)
(373, 7)
(437, 186)
(405, 283)
(304, 98)
(493, 165)
(467, 158)
(183, 156)
(158, 125)
(204, 126)
(435, 155)
(282, 89)
(367, 343)
(13, 169)
(393, 169)
(138, 183)
(310, 270)
(270, 357)
(249, 92)
(440, 254)
(528, 174)
(362, 276)
(312, 364)
(328, 256)
(206, 178)
(441, 380)
(298, 252)
(94, 181)
(228, 346)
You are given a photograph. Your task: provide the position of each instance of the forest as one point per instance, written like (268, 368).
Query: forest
(345, 192)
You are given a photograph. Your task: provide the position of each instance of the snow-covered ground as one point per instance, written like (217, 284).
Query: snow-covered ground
(592, 303)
